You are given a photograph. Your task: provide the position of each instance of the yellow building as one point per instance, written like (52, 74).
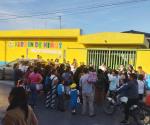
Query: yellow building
(112, 48)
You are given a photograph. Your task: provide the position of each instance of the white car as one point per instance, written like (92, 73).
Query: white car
(6, 71)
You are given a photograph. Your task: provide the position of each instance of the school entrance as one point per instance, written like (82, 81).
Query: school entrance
(112, 58)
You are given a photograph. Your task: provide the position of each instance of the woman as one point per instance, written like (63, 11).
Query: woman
(17, 73)
(100, 86)
(53, 94)
(18, 111)
(35, 79)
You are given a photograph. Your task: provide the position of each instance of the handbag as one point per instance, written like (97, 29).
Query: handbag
(39, 87)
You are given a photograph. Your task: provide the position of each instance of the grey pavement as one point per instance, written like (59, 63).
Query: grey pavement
(6, 82)
(5, 87)
(51, 117)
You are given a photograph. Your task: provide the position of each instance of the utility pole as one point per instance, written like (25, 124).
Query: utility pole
(60, 22)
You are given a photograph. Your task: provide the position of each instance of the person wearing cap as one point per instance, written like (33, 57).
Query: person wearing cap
(73, 97)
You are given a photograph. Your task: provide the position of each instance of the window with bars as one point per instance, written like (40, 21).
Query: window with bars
(112, 58)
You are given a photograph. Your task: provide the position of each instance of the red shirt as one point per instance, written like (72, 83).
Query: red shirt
(35, 78)
(147, 100)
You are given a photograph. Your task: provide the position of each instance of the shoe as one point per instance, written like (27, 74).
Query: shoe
(62, 110)
(83, 114)
(125, 122)
(92, 115)
(53, 108)
(73, 112)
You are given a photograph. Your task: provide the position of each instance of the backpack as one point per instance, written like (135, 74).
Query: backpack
(48, 83)
(147, 81)
(59, 89)
(92, 77)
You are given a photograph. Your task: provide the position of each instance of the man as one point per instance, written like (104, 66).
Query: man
(103, 67)
(140, 71)
(131, 92)
(88, 92)
(18, 75)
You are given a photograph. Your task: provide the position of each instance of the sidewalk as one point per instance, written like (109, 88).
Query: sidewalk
(6, 82)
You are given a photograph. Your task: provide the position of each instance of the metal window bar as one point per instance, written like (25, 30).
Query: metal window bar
(112, 58)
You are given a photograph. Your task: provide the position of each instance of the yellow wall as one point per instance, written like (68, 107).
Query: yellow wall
(12, 52)
(113, 38)
(67, 37)
(143, 59)
(73, 44)
(17, 47)
(79, 54)
(53, 33)
(2, 52)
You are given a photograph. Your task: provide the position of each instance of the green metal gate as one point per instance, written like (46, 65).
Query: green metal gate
(112, 58)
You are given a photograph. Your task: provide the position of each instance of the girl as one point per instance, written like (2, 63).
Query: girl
(18, 111)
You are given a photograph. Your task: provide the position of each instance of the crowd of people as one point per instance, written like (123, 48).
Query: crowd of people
(81, 85)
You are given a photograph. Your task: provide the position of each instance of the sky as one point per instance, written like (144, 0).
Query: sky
(44, 14)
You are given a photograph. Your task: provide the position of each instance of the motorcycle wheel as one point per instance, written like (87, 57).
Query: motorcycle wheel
(108, 107)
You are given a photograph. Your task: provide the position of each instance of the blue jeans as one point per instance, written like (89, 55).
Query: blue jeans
(33, 97)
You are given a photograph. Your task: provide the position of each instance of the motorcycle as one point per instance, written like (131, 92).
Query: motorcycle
(140, 113)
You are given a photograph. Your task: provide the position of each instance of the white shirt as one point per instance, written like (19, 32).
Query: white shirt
(53, 77)
(102, 67)
(141, 86)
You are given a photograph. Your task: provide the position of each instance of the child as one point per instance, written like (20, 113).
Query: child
(73, 97)
(141, 86)
(20, 83)
(114, 83)
(60, 93)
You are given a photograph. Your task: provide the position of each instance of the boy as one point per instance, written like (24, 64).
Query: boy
(73, 98)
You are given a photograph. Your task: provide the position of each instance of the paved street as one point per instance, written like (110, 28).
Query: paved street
(50, 117)
(4, 91)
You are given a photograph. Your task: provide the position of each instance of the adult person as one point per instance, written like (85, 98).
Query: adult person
(121, 68)
(141, 71)
(131, 92)
(123, 77)
(54, 82)
(17, 73)
(67, 76)
(77, 75)
(103, 67)
(100, 86)
(56, 63)
(130, 69)
(74, 65)
(35, 78)
(26, 75)
(88, 93)
(61, 70)
(18, 111)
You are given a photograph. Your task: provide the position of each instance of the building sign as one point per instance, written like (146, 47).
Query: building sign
(57, 52)
(31, 44)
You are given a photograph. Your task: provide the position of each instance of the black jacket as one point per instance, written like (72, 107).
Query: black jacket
(130, 90)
